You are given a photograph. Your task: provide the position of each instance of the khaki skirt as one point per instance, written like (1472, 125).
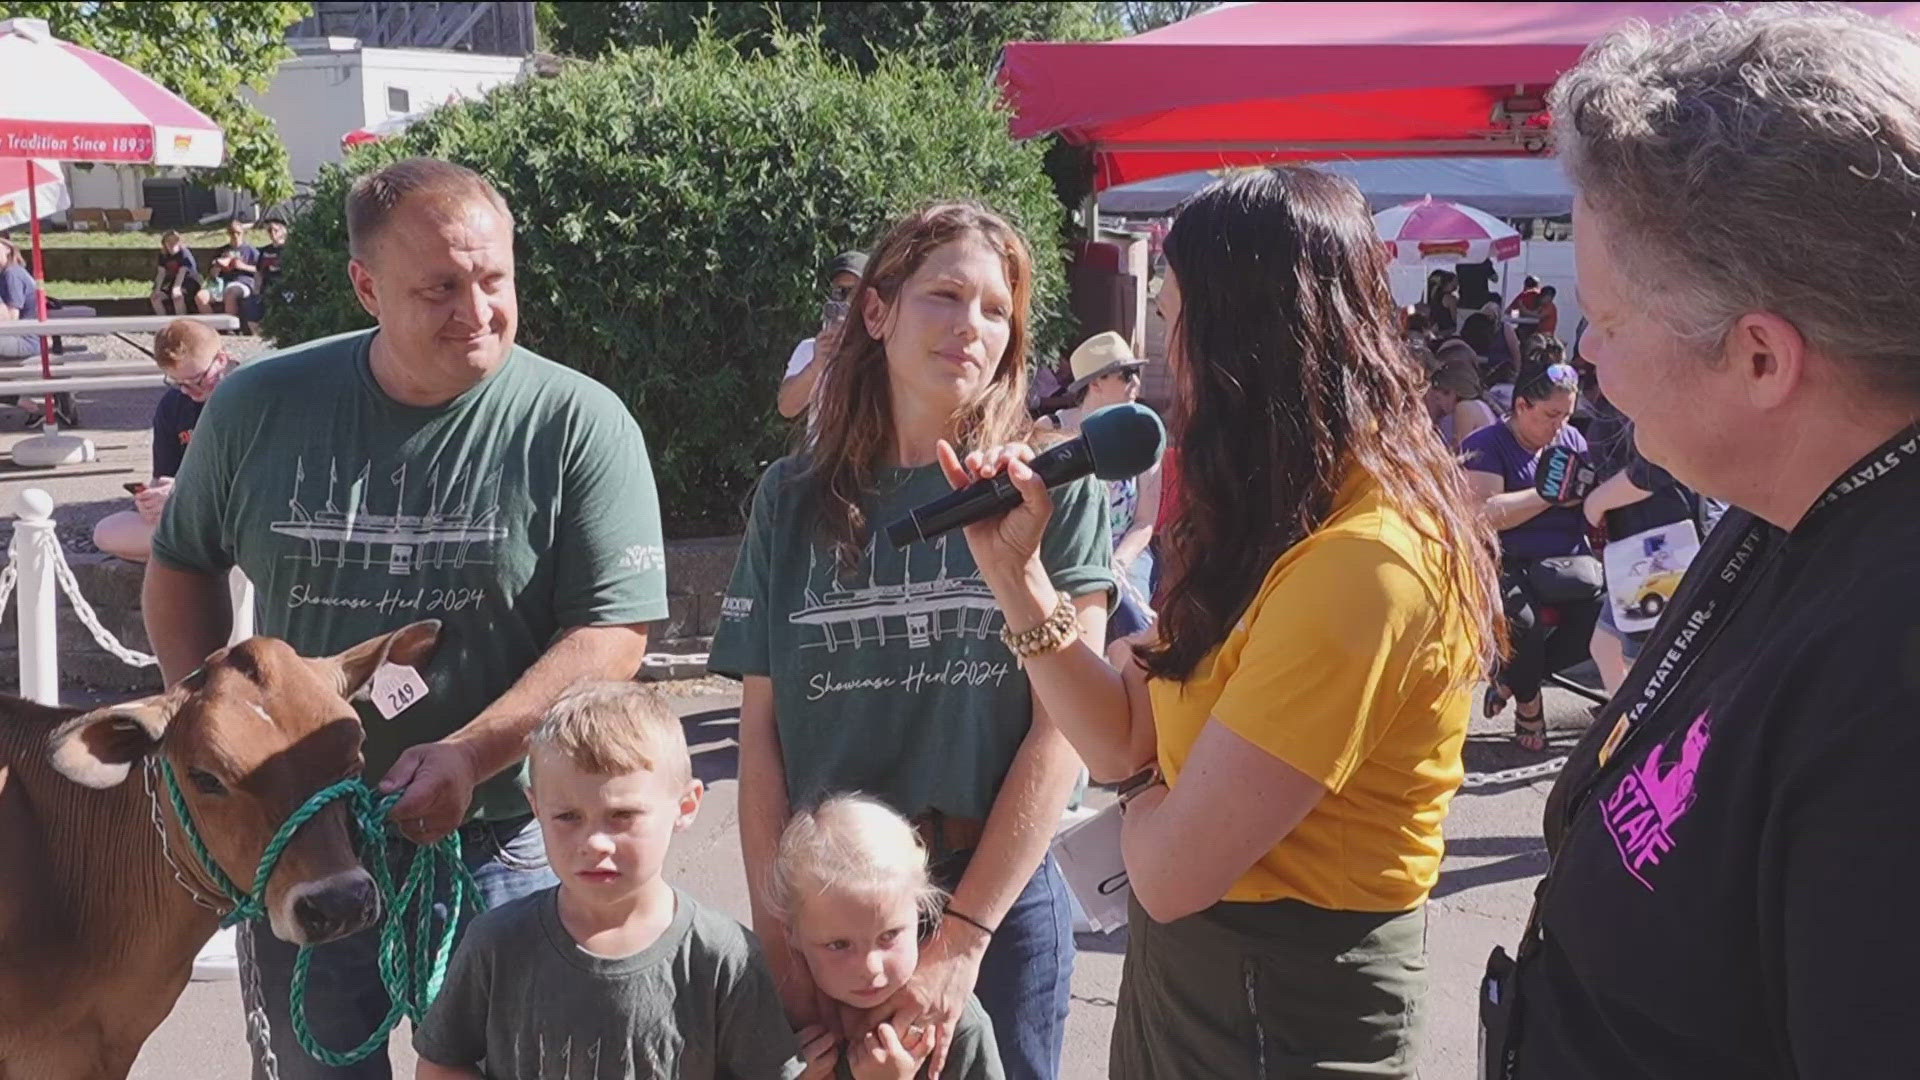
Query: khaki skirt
(1271, 991)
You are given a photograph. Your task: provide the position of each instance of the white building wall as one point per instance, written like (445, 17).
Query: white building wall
(317, 97)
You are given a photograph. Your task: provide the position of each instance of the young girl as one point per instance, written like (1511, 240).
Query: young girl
(850, 882)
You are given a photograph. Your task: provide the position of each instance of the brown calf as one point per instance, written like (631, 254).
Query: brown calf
(99, 920)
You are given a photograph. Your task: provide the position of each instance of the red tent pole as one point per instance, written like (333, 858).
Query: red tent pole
(40, 277)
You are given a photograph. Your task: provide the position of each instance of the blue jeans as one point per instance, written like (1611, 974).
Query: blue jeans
(345, 998)
(1026, 978)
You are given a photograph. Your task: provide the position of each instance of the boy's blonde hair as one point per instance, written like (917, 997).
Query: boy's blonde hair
(610, 728)
(849, 843)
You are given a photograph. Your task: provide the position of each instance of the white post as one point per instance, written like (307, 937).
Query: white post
(39, 639)
(240, 591)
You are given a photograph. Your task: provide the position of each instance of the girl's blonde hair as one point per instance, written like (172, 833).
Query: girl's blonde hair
(849, 843)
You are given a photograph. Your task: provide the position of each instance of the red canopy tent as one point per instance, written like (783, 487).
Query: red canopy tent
(1249, 83)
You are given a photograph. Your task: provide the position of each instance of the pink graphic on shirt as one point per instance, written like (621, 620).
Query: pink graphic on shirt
(1652, 797)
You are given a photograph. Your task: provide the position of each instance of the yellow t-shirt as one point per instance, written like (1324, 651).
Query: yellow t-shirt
(1349, 668)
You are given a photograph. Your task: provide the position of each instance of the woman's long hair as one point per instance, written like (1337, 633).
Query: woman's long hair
(853, 434)
(1290, 370)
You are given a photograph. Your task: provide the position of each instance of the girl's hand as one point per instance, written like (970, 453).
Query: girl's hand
(1005, 545)
(883, 1055)
(937, 994)
(820, 1049)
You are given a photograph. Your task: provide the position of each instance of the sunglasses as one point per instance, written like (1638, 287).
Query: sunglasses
(1559, 376)
(207, 379)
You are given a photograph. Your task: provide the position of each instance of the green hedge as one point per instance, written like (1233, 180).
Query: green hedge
(674, 213)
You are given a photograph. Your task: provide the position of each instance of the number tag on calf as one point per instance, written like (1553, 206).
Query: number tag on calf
(395, 688)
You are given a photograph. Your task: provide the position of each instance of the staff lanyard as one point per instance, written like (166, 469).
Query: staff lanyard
(1685, 639)
(1681, 640)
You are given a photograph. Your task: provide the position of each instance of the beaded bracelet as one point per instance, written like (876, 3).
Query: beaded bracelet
(1050, 636)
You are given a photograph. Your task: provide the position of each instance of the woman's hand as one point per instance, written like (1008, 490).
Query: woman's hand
(1003, 546)
(937, 994)
(884, 1055)
(819, 1048)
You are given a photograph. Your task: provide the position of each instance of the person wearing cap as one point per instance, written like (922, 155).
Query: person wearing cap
(796, 386)
(1105, 372)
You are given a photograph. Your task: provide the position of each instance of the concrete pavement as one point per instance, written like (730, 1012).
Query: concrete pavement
(1494, 857)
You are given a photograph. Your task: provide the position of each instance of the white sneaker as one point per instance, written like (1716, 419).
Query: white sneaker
(219, 959)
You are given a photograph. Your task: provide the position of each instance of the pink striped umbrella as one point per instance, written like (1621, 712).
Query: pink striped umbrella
(61, 102)
(1434, 231)
(49, 194)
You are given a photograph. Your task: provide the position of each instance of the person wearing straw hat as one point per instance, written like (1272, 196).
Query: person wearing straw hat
(1105, 372)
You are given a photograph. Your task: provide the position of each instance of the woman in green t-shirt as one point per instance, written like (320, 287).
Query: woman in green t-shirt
(882, 671)
(1330, 600)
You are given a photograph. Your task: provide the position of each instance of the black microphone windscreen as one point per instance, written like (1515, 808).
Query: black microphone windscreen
(1123, 440)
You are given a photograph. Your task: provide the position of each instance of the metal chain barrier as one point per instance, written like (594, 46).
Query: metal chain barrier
(1550, 767)
(83, 610)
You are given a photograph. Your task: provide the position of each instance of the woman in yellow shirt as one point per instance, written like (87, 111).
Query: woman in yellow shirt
(1331, 597)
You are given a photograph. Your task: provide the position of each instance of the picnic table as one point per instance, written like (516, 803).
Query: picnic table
(83, 372)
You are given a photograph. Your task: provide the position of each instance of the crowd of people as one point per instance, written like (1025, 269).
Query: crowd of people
(1353, 534)
(238, 281)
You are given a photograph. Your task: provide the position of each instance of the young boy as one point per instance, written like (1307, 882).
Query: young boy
(612, 973)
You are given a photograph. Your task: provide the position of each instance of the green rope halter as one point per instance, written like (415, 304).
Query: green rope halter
(412, 976)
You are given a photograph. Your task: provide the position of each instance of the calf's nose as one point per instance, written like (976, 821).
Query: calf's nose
(336, 906)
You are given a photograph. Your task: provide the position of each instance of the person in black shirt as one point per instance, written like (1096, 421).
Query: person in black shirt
(1476, 284)
(194, 362)
(176, 279)
(1733, 873)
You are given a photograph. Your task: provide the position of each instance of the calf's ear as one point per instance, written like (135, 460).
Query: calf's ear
(98, 748)
(411, 645)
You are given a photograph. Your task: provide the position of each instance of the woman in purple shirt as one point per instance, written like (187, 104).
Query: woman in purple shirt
(1500, 462)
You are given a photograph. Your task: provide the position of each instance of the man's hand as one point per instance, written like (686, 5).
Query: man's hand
(439, 778)
(153, 500)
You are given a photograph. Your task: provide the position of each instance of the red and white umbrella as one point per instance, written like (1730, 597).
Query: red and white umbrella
(49, 194)
(1433, 231)
(60, 101)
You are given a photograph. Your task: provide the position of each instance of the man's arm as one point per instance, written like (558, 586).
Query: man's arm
(796, 393)
(440, 776)
(427, 1070)
(188, 616)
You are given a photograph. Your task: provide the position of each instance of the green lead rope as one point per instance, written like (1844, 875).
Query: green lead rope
(412, 973)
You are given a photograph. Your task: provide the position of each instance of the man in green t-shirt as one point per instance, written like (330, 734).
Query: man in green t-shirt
(429, 469)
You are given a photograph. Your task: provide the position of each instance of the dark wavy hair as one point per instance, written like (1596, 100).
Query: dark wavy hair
(1290, 370)
(854, 420)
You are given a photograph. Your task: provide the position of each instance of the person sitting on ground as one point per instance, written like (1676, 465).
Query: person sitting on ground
(803, 374)
(613, 961)
(236, 268)
(1495, 341)
(194, 362)
(1105, 372)
(1453, 393)
(850, 882)
(1501, 461)
(176, 283)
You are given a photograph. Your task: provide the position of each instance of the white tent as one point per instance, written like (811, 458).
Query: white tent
(1503, 187)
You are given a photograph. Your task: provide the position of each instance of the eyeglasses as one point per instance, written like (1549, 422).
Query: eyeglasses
(207, 379)
(1131, 374)
(840, 294)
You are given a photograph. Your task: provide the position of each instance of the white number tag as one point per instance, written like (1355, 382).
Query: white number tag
(395, 688)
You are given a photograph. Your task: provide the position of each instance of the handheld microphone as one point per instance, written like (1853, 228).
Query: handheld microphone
(1115, 443)
(1563, 477)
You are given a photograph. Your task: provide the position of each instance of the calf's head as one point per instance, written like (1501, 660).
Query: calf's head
(251, 736)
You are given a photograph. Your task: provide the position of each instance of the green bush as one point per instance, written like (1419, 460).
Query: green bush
(674, 214)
